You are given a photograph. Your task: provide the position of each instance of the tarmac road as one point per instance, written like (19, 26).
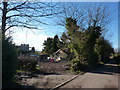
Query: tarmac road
(107, 76)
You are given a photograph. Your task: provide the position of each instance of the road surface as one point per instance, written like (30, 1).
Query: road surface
(106, 76)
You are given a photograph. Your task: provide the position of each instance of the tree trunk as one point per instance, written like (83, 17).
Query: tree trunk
(4, 12)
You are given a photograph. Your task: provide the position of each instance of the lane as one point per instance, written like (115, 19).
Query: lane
(104, 77)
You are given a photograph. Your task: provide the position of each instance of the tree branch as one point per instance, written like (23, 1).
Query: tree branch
(1, 8)
(14, 8)
(20, 15)
(21, 26)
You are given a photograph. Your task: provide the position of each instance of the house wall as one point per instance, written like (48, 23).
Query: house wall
(24, 47)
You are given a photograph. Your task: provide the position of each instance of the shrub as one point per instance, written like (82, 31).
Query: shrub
(27, 64)
(9, 63)
(78, 67)
(117, 58)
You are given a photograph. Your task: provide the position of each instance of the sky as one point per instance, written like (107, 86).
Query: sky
(36, 39)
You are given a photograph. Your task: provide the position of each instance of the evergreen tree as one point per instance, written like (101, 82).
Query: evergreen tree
(48, 45)
(51, 45)
(55, 44)
(33, 49)
(104, 49)
(82, 44)
(9, 63)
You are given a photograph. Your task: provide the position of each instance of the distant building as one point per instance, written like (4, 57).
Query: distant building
(23, 48)
(59, 55)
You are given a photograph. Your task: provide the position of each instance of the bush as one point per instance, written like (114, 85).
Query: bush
(93, 59)
(27, 64)
(117, 58)
(9, 63)
(78, 67)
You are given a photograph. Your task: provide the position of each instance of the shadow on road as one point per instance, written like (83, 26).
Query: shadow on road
(110, 68)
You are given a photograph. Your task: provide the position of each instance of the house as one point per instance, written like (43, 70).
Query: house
(23, 48)
(59, 55)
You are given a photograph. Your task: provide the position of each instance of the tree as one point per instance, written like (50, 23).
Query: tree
(86, 15)
(55, 43)
(92, 34)
(104, 49)
(33, 49)
(19, 14)
(9, 63)
(48, 45)
(25, 14)
(83, 44)
(73, 36)
(51, 45)
(84, 25)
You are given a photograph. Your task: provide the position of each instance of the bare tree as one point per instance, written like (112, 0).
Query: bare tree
(25, 14)
(72, 10)
(99, 16)
(86, 15)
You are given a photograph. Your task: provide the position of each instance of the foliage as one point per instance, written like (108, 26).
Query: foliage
(84, 26)
(51, 45)
(92, 33)
(27, 64)
(104, 49)
(85, 45)
(117, 57)
(33, 49)
(9, 63)
(48, 45)
(55, 44)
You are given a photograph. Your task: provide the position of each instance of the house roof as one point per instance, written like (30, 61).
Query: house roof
(59, 51)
